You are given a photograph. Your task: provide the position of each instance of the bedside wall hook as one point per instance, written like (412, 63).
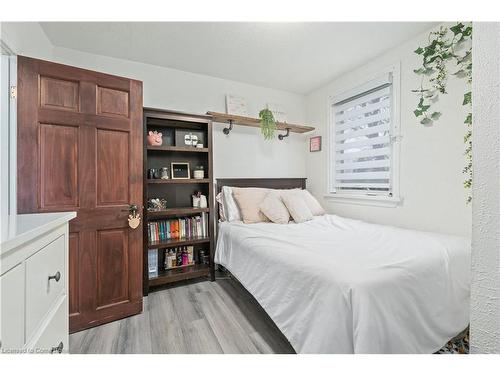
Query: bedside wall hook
(282, 136)
(227, 130)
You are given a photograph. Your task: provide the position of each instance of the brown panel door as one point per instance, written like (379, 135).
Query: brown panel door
(80, 149)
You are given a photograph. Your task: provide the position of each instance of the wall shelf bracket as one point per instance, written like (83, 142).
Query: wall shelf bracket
(282, 136)
(227, 130)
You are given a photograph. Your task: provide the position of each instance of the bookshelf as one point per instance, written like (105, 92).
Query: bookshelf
(177, 192)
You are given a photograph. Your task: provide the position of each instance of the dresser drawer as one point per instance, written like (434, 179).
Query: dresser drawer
(12, 308)
(55, 334)
(45, 282)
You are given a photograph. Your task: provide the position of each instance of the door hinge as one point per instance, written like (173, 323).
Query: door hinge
(13, 92)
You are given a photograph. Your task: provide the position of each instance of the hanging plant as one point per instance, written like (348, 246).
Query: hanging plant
(442, 50)
(267, 124)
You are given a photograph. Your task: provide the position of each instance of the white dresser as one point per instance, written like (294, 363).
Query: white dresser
(34, 283)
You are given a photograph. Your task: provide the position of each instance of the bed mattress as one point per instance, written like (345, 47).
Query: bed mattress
(337, 285)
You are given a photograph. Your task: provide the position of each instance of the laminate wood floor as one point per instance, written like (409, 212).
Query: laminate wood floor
(190, 317)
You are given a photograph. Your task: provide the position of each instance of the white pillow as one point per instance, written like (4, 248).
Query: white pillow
(249, 200)
(312, 203)
(296, 205)
(219, 198)
(231, 210)
(273, 207)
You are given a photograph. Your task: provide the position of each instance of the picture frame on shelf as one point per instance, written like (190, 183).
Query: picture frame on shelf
(236, 105)
(180, 171)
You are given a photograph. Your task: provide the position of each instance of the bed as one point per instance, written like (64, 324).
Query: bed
(337, 285)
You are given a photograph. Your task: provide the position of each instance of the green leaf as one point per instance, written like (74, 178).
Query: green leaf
(426, 121)
(417, 112)
(436, 115)
(419, 51)
(467, 98)
(468, 119)
(457, 29)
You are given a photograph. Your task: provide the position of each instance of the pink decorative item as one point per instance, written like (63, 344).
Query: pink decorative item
(154, 138)
(315, 144)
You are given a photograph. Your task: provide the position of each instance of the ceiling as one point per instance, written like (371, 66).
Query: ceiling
(296, 57)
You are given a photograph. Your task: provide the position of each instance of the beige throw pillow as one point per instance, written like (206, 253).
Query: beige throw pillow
(249, 201)
(273, 207)
(296, 205)
(312, 203)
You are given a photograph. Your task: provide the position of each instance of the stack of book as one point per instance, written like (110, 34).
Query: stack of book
(181, 228)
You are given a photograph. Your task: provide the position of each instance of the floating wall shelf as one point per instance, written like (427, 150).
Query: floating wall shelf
(255, 122)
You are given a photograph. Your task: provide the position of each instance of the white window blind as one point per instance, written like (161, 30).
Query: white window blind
(362, 136)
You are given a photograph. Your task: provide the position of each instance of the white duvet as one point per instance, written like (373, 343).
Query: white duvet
(336, 285)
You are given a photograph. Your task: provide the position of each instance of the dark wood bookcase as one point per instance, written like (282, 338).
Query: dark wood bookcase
(178, 192)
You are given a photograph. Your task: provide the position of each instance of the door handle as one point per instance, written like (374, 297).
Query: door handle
(134, 219)
(56, 277)
(132, 209)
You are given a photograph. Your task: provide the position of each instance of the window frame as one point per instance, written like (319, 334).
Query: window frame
(349, 89)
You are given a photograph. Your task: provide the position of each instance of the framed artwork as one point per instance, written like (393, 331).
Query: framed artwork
(180, 171)
(315, 144)
(236, 105)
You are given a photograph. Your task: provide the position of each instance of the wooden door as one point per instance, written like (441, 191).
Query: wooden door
(80, 149)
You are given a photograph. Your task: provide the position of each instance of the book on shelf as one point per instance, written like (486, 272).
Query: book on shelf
(153, 263)
(179, 229)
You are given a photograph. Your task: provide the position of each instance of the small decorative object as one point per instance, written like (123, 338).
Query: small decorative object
(315, 144)
(199, 145)
(134, 219)
(203, 201)
(189, 138)
(236, 105)
(164, 173)
(199, 172)
(157, 204)
(152, 172)
(267, 124)
(180, 171)
(196, 199)
(154, 138)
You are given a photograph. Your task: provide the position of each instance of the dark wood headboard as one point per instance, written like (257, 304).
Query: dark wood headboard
(269, 183)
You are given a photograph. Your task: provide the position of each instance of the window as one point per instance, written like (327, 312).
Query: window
(363, 138)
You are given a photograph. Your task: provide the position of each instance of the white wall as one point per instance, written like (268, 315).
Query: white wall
(26, 38)
(243, 153)
(485, 292)
(431, 159)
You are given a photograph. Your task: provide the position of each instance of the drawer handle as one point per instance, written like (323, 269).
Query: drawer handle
(56, 277)
(58, 348)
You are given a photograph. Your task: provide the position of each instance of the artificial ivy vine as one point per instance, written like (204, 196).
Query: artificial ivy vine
(443, 48)
(267, 124)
